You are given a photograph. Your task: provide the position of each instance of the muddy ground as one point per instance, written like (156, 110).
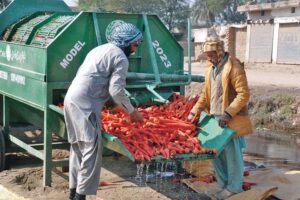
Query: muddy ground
(274, 105)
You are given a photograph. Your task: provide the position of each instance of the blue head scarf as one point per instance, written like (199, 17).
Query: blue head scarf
(123, 34)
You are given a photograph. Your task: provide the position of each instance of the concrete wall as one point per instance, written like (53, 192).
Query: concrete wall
(237, 42)
(270, 14)
(200, 34)
(184, 45)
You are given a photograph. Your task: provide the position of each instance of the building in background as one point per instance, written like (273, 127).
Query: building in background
(273, 32)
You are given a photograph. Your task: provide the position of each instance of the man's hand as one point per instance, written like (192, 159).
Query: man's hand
(136, 116)
(224, 119)
(193, 118)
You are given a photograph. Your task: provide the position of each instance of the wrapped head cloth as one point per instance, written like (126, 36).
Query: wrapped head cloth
(123, 34)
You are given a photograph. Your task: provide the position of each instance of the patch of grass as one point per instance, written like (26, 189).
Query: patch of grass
(283, 99)
(287, 110)
(275, 112)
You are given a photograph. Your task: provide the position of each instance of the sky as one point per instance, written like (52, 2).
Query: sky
(71, 3)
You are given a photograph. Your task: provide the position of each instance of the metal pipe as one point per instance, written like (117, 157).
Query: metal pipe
(189, 52)
(164, 77)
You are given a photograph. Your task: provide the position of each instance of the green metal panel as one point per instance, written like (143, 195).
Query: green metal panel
(169, 54)
(68, 50)
(21, 87)
(25, 113)
(26, 59)
(20, 8)
(211, 134)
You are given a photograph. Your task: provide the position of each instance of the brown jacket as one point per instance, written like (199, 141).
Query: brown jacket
(235, 96)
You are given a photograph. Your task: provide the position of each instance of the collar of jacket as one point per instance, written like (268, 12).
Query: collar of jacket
(225, 79)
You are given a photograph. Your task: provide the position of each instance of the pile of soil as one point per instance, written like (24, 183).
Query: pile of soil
(30, 179)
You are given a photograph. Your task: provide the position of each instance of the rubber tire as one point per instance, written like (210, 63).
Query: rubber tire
(2, 150)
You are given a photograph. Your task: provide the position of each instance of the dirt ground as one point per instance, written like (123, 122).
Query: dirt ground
(24, 174)
(25, 179)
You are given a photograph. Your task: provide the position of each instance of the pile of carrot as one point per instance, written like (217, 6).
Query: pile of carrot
(165, 129)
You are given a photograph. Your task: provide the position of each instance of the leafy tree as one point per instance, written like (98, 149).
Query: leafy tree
(217, 11)
(200, 12)
(172, 12)
(230, 13)
(91, 5)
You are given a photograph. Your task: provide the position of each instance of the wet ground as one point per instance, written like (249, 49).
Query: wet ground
(264, 150)
(274, 150)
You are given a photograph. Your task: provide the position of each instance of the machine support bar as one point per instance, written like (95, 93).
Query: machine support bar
(6, 114)
(159, 99)
(47, 166)
(131, 97)
(97, 30)
(60, 163)
(27, 147)
(189, 51)
(151, 51)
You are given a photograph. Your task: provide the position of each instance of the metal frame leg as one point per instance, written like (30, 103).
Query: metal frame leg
(47, 161)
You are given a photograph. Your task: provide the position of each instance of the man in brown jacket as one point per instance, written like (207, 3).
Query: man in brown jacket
(225, 95)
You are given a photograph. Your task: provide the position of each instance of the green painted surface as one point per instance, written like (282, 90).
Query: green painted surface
(23, 88)
(27, 59)
(211, 134)
(68, 50)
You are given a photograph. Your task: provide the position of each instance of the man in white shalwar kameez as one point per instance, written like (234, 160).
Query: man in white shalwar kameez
(102, 74)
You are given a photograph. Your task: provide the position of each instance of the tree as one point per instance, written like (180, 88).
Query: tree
(91, 5)
(173, 13)
(201, 12)
(230, 13)
(217, 11)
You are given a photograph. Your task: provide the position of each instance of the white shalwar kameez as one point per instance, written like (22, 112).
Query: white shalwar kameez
(103, 73)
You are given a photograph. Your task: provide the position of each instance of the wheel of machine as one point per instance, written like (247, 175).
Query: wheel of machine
(2, 150)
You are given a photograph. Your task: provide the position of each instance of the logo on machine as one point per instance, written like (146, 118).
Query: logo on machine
(72, 53)
(12, 55)
(8, 53)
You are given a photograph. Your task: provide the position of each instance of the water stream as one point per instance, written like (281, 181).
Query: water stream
(273, 150)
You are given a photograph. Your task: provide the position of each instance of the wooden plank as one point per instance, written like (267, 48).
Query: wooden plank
(257, 193)
(254, 194)
(198, 168)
